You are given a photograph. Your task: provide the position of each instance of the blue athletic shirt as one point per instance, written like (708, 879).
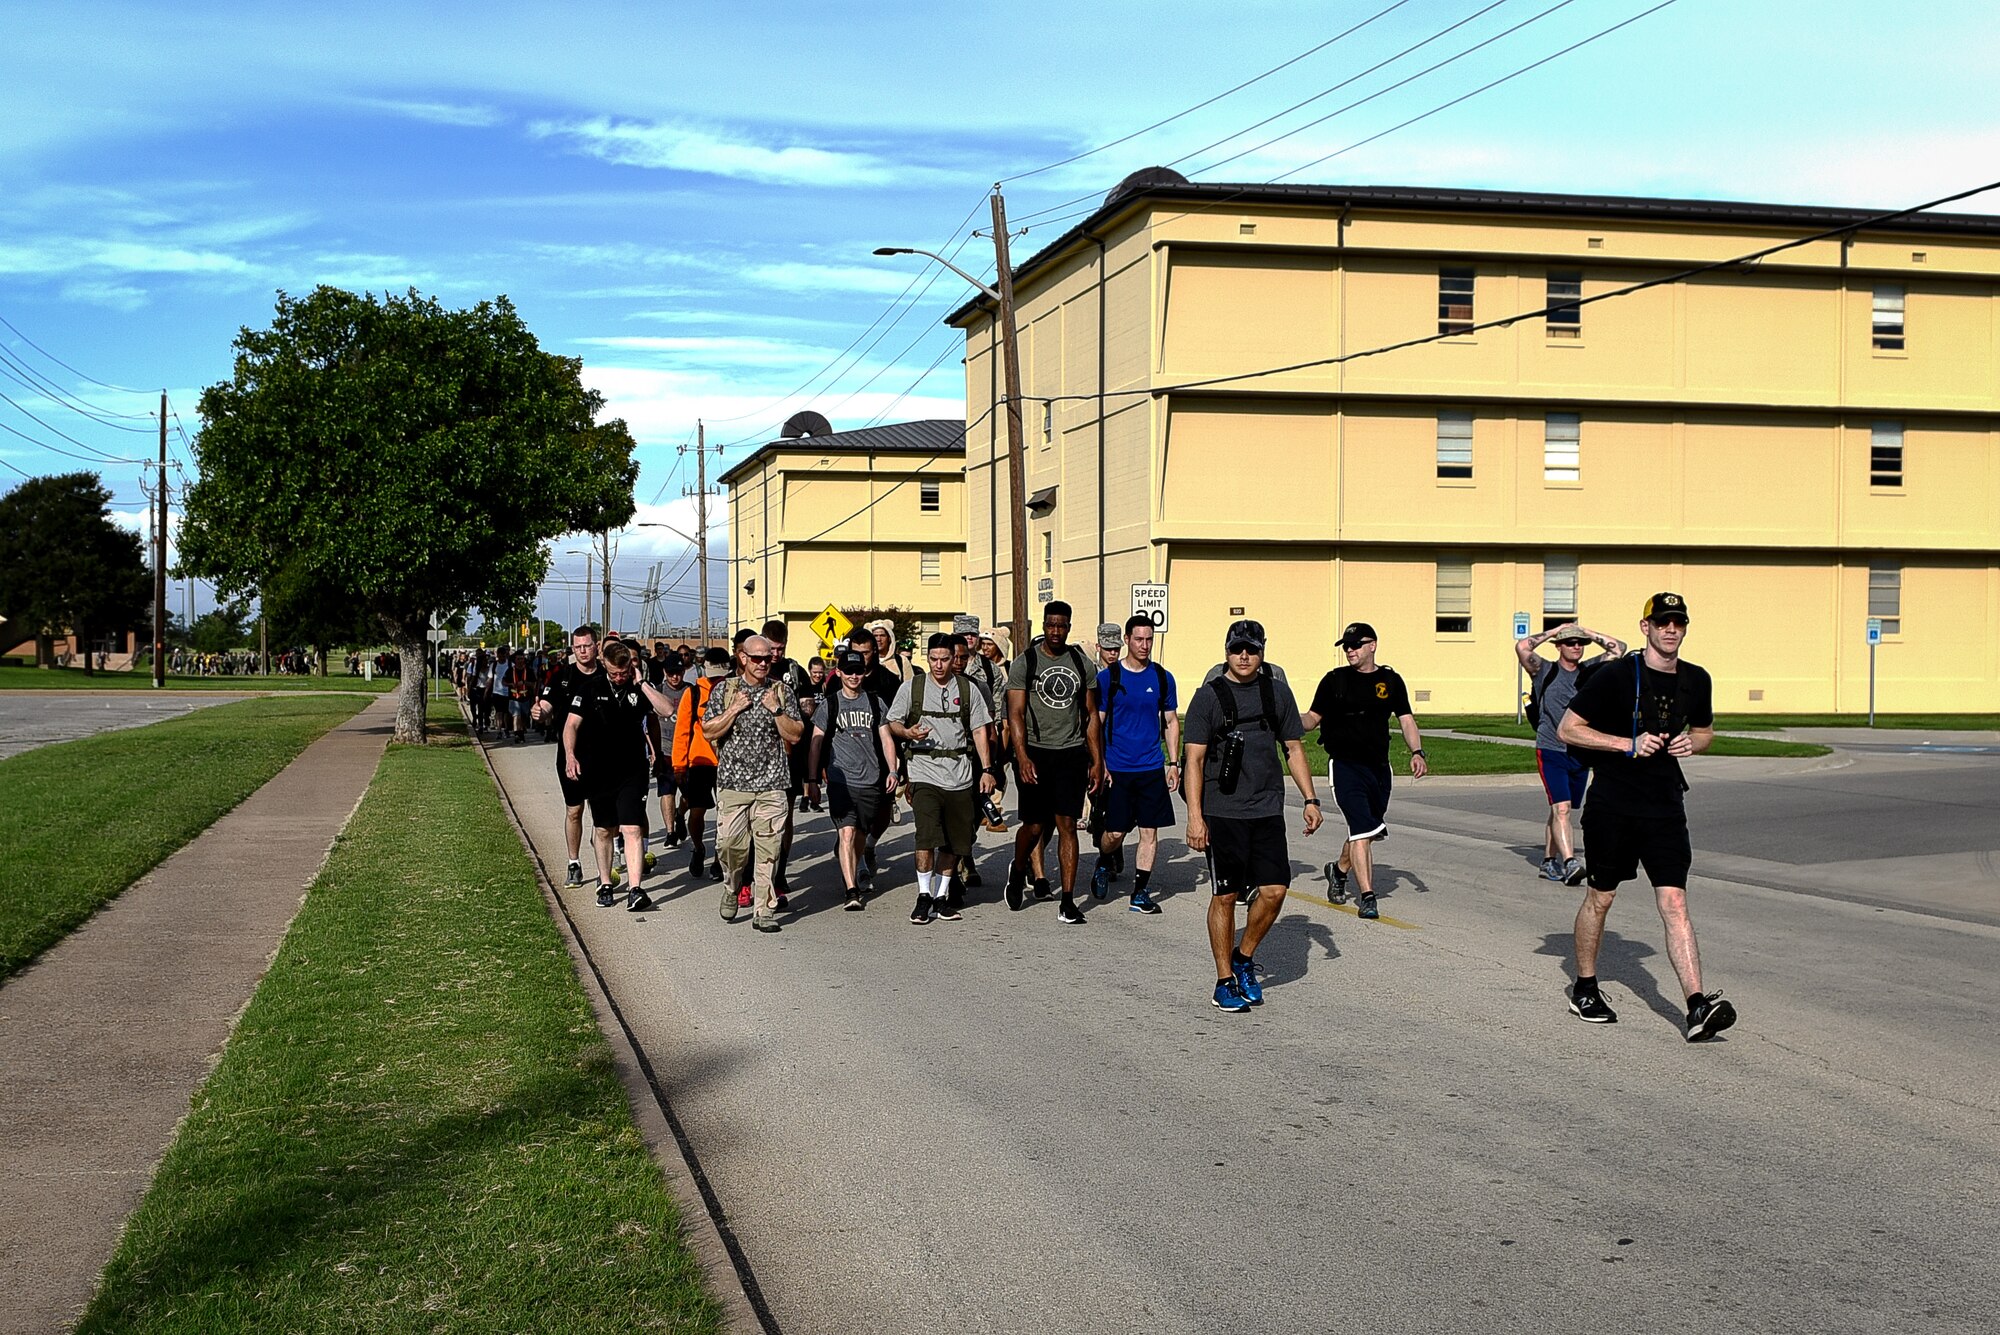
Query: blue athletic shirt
(1133, 743)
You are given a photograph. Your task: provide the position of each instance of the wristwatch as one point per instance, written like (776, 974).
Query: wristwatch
(1419, 751)
(1312, 801)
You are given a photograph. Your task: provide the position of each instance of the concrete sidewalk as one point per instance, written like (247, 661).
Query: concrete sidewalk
(106, 1037)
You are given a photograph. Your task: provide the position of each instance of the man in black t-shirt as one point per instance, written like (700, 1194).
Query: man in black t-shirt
(1352, 709)
(550, 713)
(605, 738)
(1636, 717)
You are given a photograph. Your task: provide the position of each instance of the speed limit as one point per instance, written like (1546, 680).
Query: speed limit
(1150, 601)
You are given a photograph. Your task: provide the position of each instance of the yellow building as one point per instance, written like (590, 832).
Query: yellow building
(1795, 444)
(867, 518)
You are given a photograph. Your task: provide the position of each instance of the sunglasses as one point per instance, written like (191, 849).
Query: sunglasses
(759, 658)
(1244, 649)
(1572, 644)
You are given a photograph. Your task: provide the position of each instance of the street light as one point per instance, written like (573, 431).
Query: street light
(588, 556)
(701, 559)
(1002, 296)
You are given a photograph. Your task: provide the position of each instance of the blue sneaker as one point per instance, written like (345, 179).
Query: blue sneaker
(1246, 981)
(1228, 997)
(1100, 880)
(1143, 903)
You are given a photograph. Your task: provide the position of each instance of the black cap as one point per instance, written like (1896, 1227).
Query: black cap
(850, 660)
(1356, 632)
(1665, 607)
(1246, 632)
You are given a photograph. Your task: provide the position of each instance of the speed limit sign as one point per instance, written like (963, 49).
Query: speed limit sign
(1150, 601)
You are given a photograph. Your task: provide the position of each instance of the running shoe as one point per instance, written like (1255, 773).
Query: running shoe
(947, 910)
(640, 902)
(743, 898)
(1068, 912)
(1552, 869)
(1229, 997)
(1590, 1007)
(783, 902)
(1143, 903)
(1336, 878)
(921, 914)
(1017, 882)
(855, 903)
(1246, 981)
(729, 904)
(1042, 891)
(605, 899)
(1574, 872)
(574, 880)
(954, 897)
(1709, 1015)
(1100, 880)
(1366, 903)
(765, 922)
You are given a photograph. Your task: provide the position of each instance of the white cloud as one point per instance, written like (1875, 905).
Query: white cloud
(471, 117)
(114, 296)
(727, 350)
(70, 255)
(794, 276)
(660, 144)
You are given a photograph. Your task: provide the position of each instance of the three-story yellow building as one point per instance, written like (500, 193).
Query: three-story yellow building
(1219, 403)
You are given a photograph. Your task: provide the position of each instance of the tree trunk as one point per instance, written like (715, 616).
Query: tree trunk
(83, 643)
(410, 695)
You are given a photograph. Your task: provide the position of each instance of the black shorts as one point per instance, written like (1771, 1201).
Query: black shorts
(1063, 780)
(573, 790)
(619, 801)
(864, 807)
(697, 785)
(1615, 847)
(1138, 800)
(1362, 791)
(663, 775)
(1244, 855)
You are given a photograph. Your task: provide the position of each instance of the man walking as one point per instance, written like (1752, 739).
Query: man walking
(1137, 707)
(751, 720)
(1351, 709)
(694, 757)
(1564, 777)
(852, 746)
(552, 712)
(1237, 726)
(942, 719)
(1639, 716)
(1058, 751)
(604, 739)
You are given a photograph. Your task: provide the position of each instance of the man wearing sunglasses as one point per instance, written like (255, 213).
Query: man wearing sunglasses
(751, 720)
(1552, 685)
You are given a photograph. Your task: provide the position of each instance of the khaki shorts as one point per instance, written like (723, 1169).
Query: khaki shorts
(945, 817)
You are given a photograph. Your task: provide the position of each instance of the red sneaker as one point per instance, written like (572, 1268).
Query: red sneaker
(743, 900)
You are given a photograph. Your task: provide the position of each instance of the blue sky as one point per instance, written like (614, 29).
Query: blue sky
(687, 197)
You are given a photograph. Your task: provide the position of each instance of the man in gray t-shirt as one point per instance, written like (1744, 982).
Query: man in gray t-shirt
(1235, 794)
(852, 746)
(1058, 752)
(942, 720)
(1551, 687)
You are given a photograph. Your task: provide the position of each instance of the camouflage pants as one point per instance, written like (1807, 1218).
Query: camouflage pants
(747, 824)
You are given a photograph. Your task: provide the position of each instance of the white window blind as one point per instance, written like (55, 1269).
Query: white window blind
(1562, 448)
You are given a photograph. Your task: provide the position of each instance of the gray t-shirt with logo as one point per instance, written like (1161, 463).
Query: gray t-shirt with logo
(1056, 708)
(940, 714)
(850, 729)
(1561, 689)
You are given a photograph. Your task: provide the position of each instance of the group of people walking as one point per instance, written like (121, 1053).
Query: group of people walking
(756, 737)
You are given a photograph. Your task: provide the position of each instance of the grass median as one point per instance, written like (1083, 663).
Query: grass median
(1444, 755)
(85, 819)
(1722, 746)
(14, 678)
(416, 1126)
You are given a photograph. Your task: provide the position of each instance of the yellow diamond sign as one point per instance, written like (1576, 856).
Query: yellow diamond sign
(831, 626)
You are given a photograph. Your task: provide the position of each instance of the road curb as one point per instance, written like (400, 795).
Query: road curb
(715, 1250)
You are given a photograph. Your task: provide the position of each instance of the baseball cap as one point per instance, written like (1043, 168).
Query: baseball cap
(1109, 636)
(1665, 607)
(1356, 632)
(850, 660)
(1571, 635)
(1250, 633)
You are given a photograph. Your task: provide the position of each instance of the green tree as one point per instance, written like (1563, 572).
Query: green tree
(65, 567)
(221, 629)
(401, 458)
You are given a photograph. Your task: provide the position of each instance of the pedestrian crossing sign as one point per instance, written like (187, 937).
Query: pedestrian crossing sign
(831, 626)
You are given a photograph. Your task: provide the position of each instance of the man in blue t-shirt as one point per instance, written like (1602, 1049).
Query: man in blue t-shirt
(1137, 706)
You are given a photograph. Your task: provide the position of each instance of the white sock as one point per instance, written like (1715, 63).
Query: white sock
(927, 884)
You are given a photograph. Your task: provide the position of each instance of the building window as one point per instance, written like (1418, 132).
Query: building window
(929, 497)
(1885, 455)
(1454, 597)
(929, 566)
(1885, 596)
(1565, 317)
(1888, 318)
(1454, 444)
(1454, 300)
(1558, 591)
(1048, 424)
(1048, 553)
(1562, 448)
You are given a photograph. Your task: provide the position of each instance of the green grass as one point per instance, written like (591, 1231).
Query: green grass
(1935, 722)
(416, 1126)
(1722, 746)
(82, 820)
(1445, 755)
(74, 679)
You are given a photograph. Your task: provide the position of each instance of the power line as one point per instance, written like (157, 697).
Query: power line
(107, 458)
(67, 454)
(121, 389)
(14, 368)
(1209, 102)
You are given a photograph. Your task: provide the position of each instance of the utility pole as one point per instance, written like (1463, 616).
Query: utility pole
(1017, 483)
(606, 538)
(160, 561)
(701, 519)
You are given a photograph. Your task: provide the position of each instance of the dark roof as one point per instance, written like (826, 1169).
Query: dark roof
(1530, 203)
(937, 435)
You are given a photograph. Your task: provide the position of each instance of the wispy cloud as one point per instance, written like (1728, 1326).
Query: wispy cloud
(71, 255)
(472, 117)
(661, 144)
(721, 350)
(795, 276)
(115, 296)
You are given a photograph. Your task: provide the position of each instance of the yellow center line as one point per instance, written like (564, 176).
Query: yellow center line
(1349, 909)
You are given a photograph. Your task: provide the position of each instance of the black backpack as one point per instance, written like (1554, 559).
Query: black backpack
(1538, 688)
(1084, 676)
(1638, 660)
(1225, 700)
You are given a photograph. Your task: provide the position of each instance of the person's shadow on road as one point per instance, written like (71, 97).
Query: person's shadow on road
(1620, 960)
(1288, 949)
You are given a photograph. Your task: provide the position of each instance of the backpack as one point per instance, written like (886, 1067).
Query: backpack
(1538, 688)
(1225, 700)
(1085, 678)
(1638, 660)
(917, 710)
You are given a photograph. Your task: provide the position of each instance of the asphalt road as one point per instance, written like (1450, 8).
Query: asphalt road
(1004, 1124)
(29, 719)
